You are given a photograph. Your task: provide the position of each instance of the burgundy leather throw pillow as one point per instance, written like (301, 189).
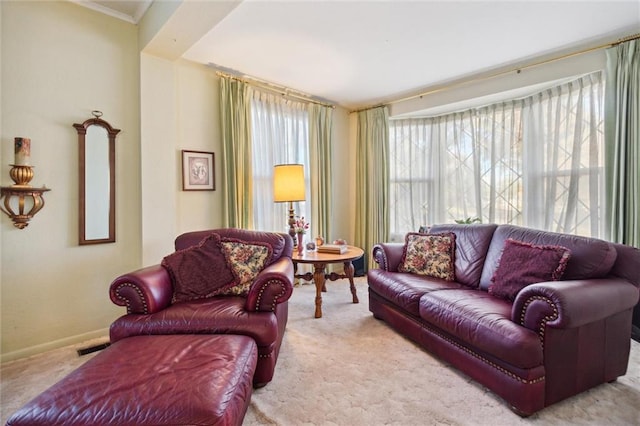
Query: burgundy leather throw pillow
(199, 271)
(522, 264)
(430, 254)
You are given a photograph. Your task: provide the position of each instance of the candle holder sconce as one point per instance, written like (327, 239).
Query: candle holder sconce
(21, 201)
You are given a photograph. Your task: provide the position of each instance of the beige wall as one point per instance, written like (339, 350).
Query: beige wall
(180, 110)
(179, 102)
(60, 61)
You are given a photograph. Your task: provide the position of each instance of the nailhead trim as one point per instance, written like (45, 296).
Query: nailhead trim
(383, 254)
(545, 320)
(486, 361)
(475, 355)
(269, 355)
(262, 289)
(145, 308)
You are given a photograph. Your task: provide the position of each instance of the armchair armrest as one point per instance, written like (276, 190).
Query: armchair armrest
(388, 255)
(273, 285)
(144, 291)
(569, 304)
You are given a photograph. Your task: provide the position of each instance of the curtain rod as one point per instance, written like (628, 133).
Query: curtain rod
(282, 90)
(498, 74)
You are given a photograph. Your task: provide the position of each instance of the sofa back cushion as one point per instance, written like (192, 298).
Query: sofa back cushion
(627, 264)
(590, 257)
(281, 244)
(472, 243)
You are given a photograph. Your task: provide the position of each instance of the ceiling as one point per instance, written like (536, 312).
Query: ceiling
(127, 10)
(361, 53)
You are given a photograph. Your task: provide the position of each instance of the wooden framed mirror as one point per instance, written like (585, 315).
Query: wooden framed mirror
(97, 180)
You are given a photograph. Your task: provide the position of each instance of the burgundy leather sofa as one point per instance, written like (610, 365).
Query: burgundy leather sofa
(262, 315)
(555, 340)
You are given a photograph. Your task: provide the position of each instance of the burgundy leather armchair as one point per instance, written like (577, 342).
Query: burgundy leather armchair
(262, 315)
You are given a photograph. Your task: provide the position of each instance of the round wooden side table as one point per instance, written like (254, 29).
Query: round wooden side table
(319, 276)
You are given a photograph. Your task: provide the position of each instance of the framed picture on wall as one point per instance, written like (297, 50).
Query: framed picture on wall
(198, 171)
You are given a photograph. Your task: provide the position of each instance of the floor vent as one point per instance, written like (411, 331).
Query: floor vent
(92, 349)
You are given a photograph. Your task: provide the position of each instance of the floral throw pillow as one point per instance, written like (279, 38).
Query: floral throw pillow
(522, 264)
(430, 254)
(246, 260)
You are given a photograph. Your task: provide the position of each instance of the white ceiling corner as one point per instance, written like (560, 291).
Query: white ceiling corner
(127, 10)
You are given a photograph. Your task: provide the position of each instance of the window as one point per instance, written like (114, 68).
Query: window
(535, 162)
(280, 135)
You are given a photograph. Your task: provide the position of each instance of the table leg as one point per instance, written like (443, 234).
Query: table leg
(319, 280)
(349, 270)
(296, 280)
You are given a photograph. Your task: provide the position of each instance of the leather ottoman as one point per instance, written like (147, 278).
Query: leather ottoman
(153, 380)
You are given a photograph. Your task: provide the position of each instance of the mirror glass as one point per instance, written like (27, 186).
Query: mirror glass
(96, 143)
(96, 183)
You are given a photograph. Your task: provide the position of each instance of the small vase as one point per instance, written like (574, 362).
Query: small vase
(300, 246)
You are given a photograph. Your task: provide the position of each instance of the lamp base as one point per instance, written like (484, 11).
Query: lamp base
(292, 222)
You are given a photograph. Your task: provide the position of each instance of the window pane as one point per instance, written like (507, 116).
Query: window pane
(534, 162)
(280, 135)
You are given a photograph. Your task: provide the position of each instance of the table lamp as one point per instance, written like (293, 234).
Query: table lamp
(288, 186)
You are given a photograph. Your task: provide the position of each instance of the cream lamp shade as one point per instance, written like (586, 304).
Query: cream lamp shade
(288, 183)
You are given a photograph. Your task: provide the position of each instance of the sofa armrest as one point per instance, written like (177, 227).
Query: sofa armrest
(388, 255)
(144, 291)
(569, 304)
(273, 285)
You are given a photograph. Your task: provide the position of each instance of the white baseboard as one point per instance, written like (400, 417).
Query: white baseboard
(67, 341)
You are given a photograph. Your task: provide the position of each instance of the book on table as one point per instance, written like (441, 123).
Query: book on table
(332, 248)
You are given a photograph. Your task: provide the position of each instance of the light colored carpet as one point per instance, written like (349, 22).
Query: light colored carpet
(348, 368)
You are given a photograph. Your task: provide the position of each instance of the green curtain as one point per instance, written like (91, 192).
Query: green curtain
(622, 143)
(237, 176)
(372, 180)
(320, 122)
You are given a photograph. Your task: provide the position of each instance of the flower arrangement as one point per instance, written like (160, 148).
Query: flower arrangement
(300, 226)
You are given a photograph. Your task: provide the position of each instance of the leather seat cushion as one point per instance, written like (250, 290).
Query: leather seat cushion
(404, 289)
(153, 380)
(216, 315)
(483, 322)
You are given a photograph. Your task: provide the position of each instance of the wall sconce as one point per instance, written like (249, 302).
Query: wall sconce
(21, 201)
(288, 186)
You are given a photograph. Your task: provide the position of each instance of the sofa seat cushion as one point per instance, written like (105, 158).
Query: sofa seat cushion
(405, 290)
(218, 315)
(483, 323)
